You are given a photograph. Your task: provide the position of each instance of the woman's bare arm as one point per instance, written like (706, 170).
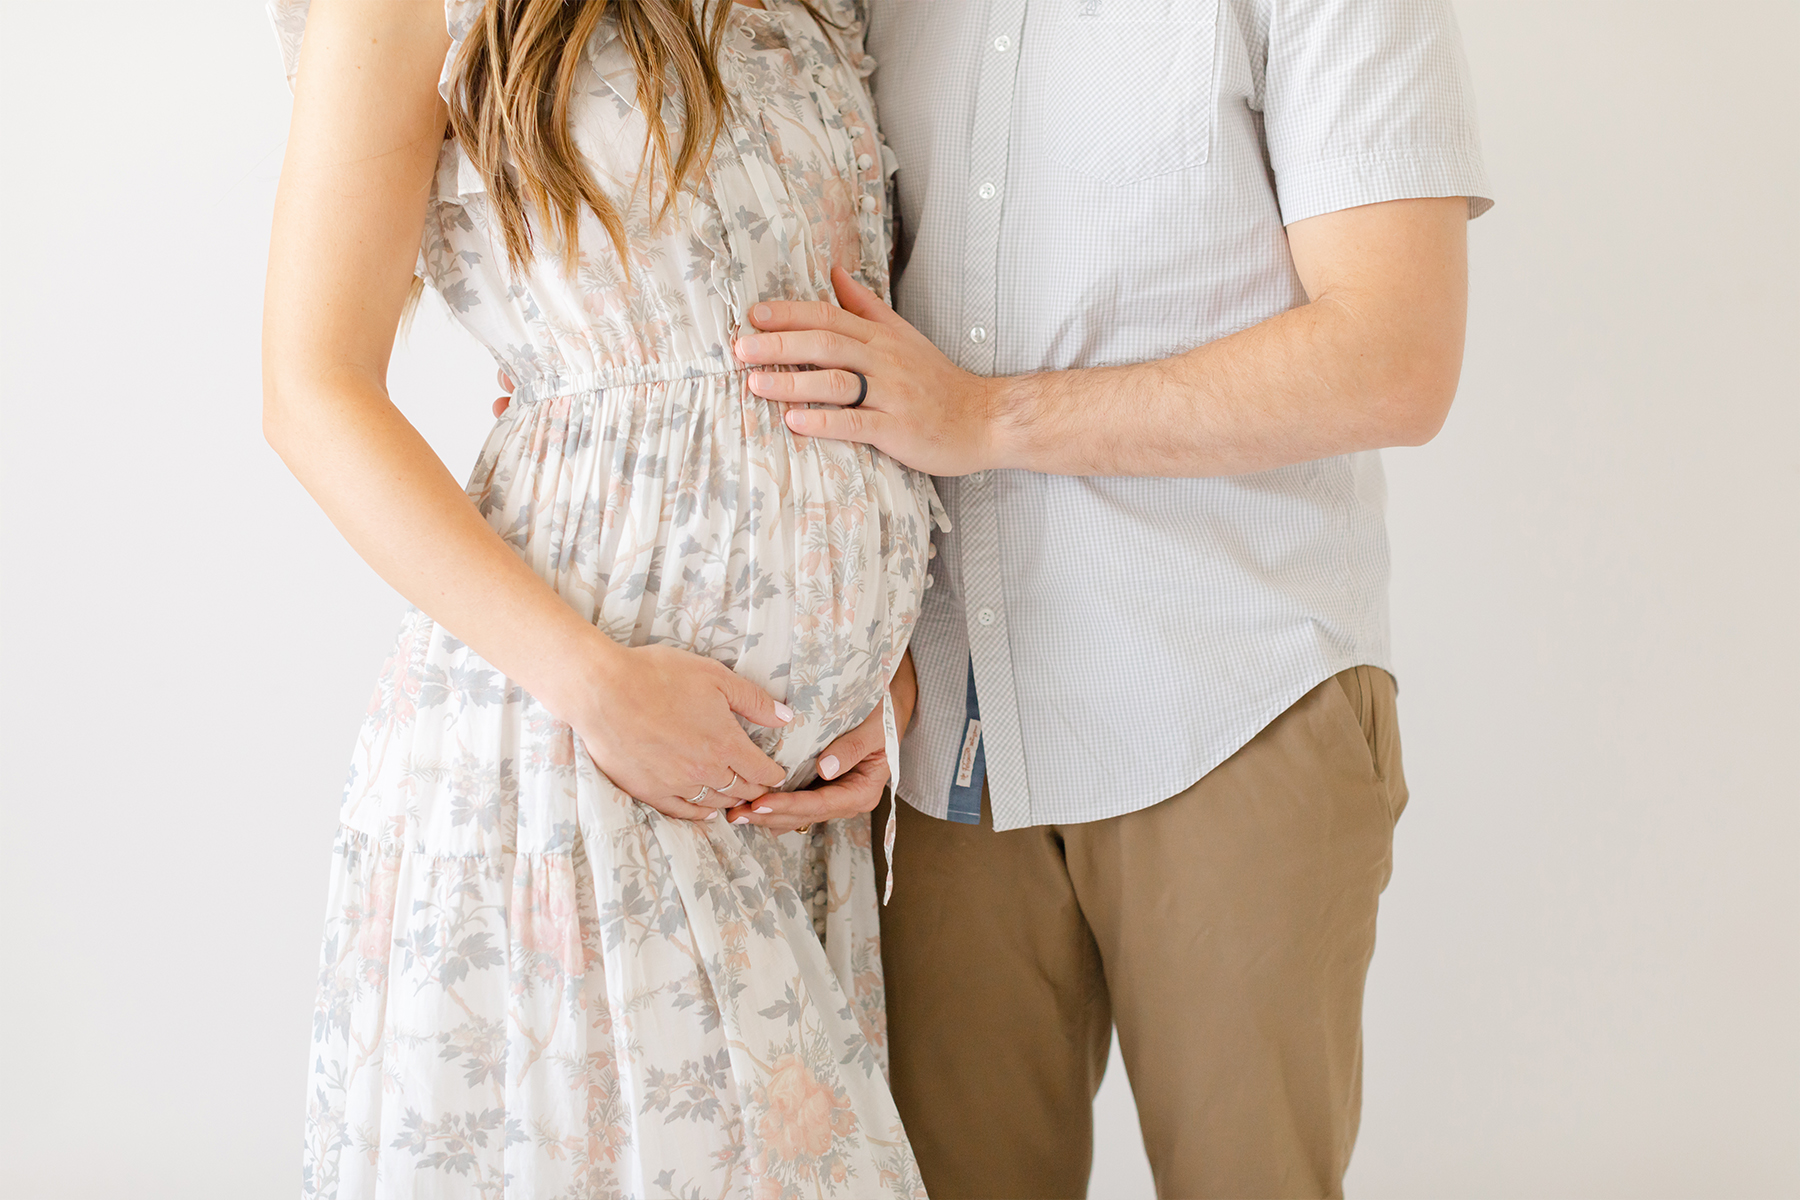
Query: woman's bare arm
(367, 127)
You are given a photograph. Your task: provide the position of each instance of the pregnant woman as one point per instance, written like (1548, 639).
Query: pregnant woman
(551, 967)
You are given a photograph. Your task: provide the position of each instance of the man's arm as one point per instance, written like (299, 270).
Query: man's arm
(1371, 360)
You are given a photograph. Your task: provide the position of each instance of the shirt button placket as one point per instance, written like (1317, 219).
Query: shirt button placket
(985, 608)
(992, 133)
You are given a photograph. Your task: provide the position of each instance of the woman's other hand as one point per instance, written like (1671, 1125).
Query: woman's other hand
(853, 770)
(662, 724)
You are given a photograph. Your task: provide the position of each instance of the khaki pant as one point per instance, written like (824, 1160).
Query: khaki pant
(1226, 932)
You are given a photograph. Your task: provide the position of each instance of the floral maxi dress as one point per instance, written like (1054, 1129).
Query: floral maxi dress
(532, 985)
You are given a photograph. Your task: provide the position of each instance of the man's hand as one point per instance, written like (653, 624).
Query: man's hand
(921, 408)
(855, 766)
(1370, 361)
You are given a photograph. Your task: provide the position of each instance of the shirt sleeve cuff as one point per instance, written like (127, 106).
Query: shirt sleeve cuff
(1330, 185)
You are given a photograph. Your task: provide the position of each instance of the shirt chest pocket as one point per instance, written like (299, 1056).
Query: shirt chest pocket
(1128, 89)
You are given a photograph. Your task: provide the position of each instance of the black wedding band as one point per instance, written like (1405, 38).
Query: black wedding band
(861, 395)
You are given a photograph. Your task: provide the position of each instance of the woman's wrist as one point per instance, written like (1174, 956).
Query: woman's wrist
(580, 672)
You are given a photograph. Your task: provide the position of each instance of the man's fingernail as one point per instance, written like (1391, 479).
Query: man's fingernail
(828, 766)
(765, 809)
(761, 312)
(740, 820)
(783, 712)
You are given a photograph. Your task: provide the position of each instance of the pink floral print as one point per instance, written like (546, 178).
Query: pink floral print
(531, 985)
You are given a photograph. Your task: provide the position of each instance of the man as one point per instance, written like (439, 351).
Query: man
(1177, 268)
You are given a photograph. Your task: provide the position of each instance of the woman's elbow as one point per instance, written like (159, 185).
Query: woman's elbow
(285, 399)
(275, 411)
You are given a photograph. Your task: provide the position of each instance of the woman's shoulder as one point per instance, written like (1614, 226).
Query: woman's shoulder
(289, 18)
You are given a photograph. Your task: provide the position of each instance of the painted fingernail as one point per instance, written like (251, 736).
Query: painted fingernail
(783, 713)
(828, 766)
(761, 312)
(741, 821)
(765, 810)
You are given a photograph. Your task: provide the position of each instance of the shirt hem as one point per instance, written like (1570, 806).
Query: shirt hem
(1155, 792)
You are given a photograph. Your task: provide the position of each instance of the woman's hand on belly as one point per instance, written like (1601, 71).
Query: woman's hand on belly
(659, 721)
(854, 766)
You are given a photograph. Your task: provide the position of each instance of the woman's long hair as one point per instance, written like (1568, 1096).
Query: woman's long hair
(509, 104)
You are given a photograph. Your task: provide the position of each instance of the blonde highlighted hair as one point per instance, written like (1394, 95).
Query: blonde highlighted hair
(513, 80)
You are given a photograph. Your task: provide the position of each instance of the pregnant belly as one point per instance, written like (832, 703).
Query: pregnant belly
(685, 513)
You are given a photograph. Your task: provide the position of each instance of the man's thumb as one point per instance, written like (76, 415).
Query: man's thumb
(857, 299)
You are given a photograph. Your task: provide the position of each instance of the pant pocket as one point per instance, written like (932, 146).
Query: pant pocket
(1368, 697)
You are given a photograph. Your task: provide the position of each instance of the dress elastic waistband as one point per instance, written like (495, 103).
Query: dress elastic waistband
(529, 390)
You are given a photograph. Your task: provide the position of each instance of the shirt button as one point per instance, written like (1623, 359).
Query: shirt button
(868, 204)
(978, 335)
(986, 191)
(977, 476)
(985, 616)
(1003, 43)
(864, 161)
(931, 550)
(929, 581)
(854, 132)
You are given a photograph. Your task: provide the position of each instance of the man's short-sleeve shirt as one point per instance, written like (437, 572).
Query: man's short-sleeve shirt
(1088, 182)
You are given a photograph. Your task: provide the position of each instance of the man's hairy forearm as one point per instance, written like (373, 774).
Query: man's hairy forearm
(1371, 361)
(1310, 383)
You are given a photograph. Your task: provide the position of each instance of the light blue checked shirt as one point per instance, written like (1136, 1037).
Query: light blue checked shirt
(1085, 182)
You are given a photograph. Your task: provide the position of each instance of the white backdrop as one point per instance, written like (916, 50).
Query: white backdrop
(1589, 974)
